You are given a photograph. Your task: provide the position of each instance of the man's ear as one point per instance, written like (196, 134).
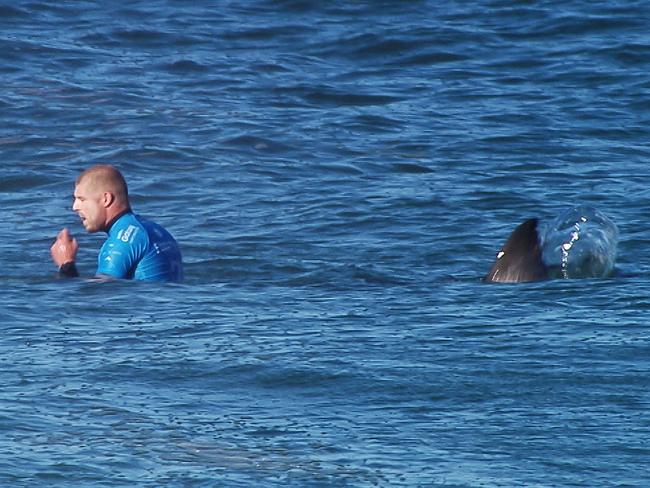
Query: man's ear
(108, 198)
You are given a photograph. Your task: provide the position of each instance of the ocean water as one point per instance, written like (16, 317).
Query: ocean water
(339, 176)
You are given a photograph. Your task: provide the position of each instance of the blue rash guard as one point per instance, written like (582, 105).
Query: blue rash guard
(139, 249)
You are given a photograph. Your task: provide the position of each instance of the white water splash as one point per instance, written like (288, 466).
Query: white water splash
(580, 243)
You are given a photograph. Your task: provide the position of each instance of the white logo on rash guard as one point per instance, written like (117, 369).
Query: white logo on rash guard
(128, 233)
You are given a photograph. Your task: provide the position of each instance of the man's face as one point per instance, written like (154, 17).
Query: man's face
(88, 205)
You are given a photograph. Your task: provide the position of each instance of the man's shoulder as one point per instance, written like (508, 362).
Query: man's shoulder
(134, 229)
(155, 230)
(129, 229)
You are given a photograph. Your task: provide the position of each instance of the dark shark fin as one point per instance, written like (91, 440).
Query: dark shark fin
(520, 258)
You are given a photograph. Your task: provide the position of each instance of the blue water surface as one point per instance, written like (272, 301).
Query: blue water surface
(339, 176)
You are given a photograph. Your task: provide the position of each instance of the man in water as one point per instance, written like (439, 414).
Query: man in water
(135, 248)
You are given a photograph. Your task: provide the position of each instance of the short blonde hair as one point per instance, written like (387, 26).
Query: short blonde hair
(105, 177)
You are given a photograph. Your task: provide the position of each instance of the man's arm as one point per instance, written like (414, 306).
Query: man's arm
(118, 259)
(64, 252)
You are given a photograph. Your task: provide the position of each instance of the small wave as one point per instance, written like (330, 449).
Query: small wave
(370, 45)
(185, 66)
(411, 168)
(18, 183)
(632, 54)
(7, 11)
(292, 6)
(278, 377)
(270, 68)
(140, 35)
(378, 122)
(342, 277)
(344, 169)
(329, 97)
(96, 38)
(266, 33)
(257, 143)
(150, 38)
(434, 57)
(374, 45)
(372, 276)
(571, 26)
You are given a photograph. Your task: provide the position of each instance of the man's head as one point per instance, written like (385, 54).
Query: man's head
(100, 195)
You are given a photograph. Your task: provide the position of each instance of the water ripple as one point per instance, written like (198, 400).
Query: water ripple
(339, 177)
